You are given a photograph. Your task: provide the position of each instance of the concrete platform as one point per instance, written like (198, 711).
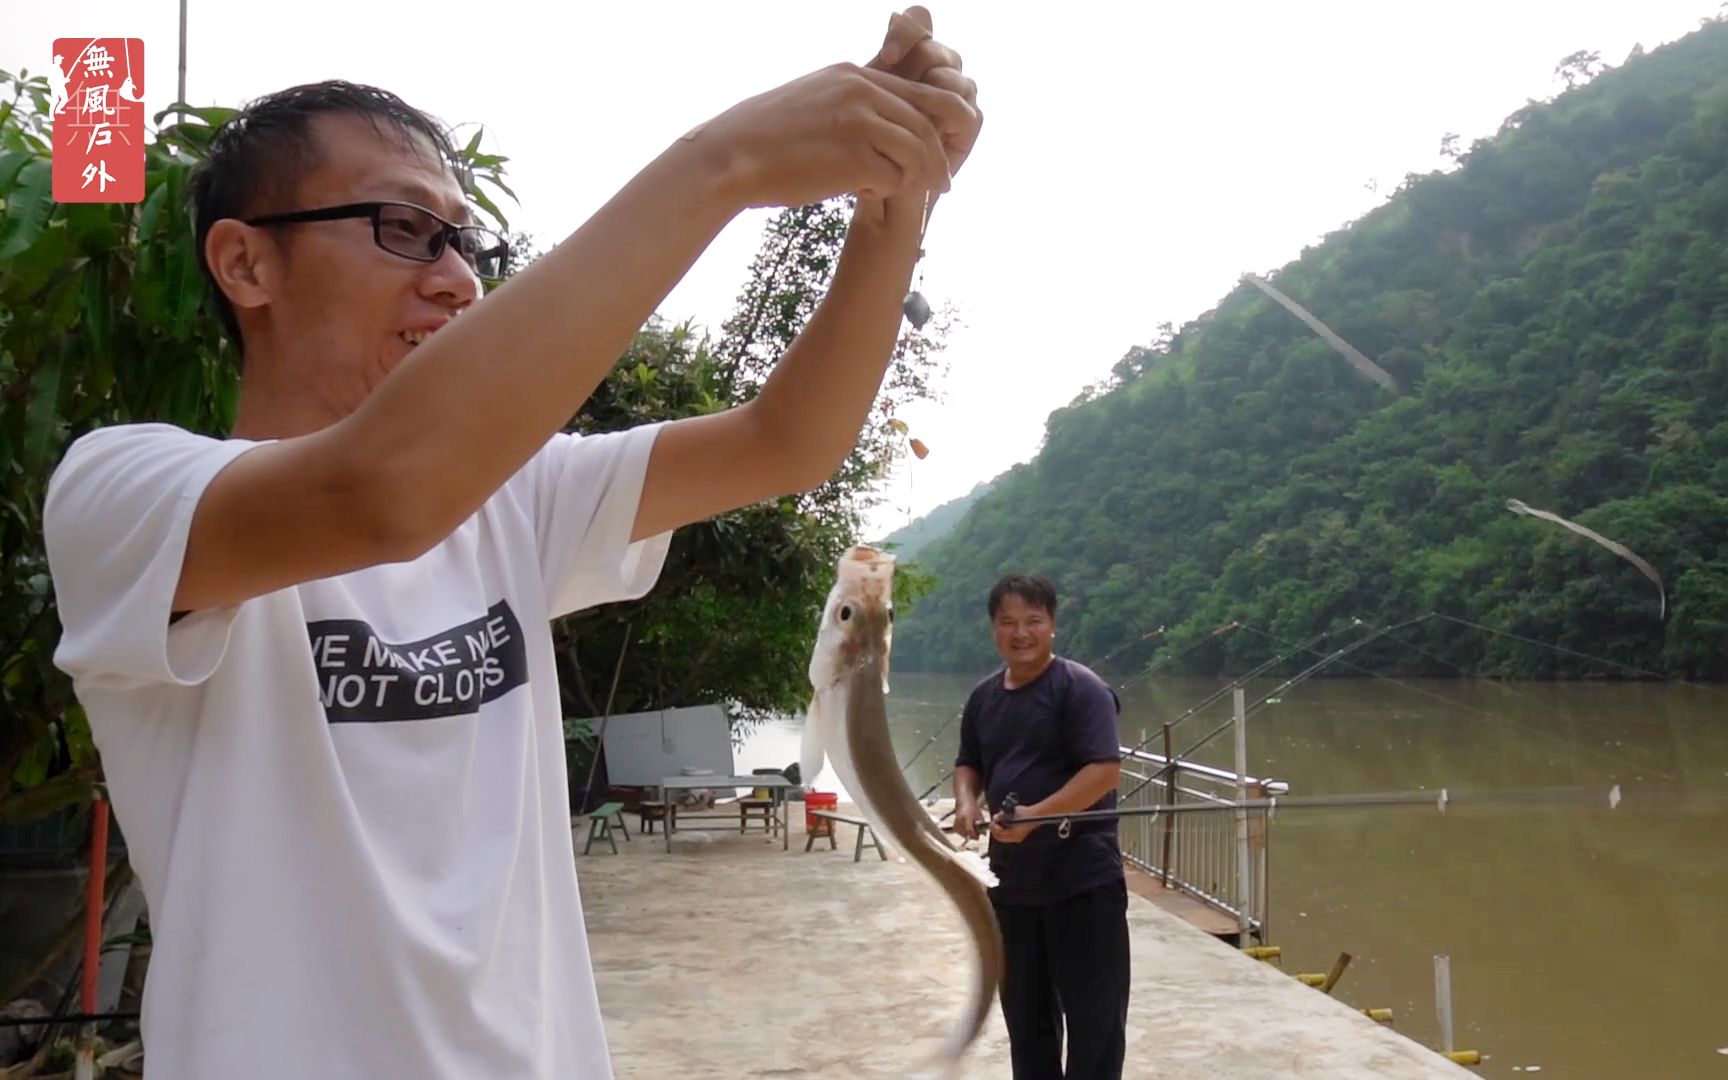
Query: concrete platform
(731, 958)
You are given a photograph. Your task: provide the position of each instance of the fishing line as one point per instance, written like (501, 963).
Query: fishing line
(1570, 743)
(1170, 765)
(1228, 687)
(914, 306)
(1379, 675)
(1168, 769)
(1326, 661)
(1195, 644)
(1293, 681)
(1575, 652)
(1501, 685)
(1437, 658)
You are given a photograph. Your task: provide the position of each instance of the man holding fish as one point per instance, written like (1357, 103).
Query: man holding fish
(315, 653)
(1039, 737)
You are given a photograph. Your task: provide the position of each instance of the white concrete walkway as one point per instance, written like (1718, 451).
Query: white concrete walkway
(732, 958)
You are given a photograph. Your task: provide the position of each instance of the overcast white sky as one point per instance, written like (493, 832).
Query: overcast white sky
(1136, 159)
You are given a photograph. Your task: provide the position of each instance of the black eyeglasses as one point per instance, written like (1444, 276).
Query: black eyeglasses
(413, 232)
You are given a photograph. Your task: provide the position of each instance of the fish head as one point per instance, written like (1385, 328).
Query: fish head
(857, 620)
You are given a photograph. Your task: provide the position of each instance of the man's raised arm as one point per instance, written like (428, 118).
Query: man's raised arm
(800, 428)
(473, 403)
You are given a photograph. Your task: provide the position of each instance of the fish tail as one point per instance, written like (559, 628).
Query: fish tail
(988, 964)
(862, 730)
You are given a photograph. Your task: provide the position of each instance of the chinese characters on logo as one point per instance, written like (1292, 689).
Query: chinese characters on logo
(97, 106)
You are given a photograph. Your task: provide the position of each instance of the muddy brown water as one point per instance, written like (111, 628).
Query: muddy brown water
(1584, 942)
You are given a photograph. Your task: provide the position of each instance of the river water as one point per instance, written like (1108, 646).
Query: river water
(1584, 941)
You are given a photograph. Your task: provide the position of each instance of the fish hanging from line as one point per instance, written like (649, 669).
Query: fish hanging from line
(1518, 507)
(1348, 351)
(847, 723)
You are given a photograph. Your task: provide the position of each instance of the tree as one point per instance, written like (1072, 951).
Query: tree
(102, 320)
(1141, 358)
(1576, 69)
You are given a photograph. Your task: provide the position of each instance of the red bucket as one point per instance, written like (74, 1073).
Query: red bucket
(814, 801)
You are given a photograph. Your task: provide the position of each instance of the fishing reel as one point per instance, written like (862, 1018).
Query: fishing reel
(1004, 813)
(1010, 807)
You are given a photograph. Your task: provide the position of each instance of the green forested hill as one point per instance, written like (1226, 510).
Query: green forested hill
(1555, 310)
(911, 539)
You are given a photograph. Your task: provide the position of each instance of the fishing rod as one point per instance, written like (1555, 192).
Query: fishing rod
(1295, 680)
(1440, 799)
(1214, 696)
(933, 737)
(1111, 655)
(931, 790)
(1147, 670)
(1177, 655)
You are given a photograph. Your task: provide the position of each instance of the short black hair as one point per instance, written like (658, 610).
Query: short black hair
(258, 157)
(1035, 589)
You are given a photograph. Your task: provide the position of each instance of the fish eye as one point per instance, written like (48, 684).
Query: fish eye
(845, 612)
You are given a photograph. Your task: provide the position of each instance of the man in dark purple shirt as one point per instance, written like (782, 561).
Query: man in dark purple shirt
(1041, 735)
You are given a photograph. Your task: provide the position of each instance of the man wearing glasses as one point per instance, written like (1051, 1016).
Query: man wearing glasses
(316, 654)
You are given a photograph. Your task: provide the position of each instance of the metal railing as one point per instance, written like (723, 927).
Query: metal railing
(1218, 858)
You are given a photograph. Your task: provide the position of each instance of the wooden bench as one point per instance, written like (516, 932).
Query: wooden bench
(600, 825)
(864, 832)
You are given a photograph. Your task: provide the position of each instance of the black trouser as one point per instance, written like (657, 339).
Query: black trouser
(1067, 960)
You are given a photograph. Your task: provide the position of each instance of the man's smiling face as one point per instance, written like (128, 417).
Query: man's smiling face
(1024, 632)
(340, 309)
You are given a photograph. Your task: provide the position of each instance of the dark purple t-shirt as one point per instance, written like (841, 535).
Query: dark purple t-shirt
(1029, 742)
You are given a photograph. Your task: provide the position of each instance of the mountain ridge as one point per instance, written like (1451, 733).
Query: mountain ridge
(1555, 310)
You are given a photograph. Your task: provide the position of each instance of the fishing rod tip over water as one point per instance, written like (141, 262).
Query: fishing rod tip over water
(1442, 800)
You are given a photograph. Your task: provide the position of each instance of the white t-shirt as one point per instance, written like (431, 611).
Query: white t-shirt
(346, 801)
